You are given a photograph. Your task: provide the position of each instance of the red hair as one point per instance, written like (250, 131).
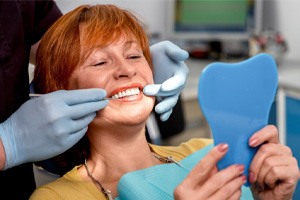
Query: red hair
(61, 50)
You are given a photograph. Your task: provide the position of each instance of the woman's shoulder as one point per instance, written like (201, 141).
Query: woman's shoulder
(70, 186)
(184, 149)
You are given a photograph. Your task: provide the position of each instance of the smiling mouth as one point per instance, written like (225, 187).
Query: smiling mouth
(126, 93)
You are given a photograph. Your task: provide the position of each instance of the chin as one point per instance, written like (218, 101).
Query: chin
(132, 115)
(135, 116)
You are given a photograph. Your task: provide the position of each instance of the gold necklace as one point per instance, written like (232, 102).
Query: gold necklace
(107, 193)
(168, 159)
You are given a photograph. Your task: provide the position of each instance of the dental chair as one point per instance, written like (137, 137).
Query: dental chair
(157, 131)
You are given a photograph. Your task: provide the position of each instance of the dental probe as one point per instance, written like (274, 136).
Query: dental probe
(32, 95)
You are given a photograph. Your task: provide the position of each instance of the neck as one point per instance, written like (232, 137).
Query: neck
(118, 142)
(115, 153)
(122, 153)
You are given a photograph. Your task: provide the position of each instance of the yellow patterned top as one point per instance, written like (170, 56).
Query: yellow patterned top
(72, 187)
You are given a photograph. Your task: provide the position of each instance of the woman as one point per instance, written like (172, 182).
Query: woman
(105, 47)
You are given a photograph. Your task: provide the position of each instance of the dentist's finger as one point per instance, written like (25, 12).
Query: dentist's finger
(166, 104)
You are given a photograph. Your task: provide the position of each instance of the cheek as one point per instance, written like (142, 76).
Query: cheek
(84, 81)
(148, 75)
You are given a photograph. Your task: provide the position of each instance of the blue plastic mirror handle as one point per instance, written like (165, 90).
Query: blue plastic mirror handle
(236, 99)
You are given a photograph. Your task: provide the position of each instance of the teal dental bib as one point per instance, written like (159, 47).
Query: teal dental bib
(235, 99)
(159, 182)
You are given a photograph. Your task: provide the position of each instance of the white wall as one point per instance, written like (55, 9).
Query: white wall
(281, 15)
(288, 24)
(152, 12)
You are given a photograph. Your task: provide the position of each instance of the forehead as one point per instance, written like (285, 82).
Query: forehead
(91, 42)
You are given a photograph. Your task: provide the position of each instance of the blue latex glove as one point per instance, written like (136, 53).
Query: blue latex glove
(170, 74)
(48, 125)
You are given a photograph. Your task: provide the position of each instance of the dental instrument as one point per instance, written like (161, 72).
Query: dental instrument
(32, 95)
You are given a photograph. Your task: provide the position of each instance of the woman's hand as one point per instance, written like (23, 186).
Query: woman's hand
(274, 171)
(206, 182)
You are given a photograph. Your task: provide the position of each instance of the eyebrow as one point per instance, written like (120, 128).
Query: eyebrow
(131, 42)
(128, 43)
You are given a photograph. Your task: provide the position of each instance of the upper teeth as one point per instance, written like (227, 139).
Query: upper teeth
(125, 93)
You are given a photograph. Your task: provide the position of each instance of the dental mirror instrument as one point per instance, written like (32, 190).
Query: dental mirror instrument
(32, 95)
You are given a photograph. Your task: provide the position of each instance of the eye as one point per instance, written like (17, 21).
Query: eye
(134, 56)
(99, 64)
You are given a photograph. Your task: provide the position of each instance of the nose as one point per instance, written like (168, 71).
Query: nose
(124, 69)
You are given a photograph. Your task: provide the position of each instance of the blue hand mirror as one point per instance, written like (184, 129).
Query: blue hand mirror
(235, 99)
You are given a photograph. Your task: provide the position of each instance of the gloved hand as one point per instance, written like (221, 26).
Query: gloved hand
(170, 73)
(48, 125)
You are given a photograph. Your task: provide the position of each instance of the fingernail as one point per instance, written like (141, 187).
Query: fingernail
(251, 178)
(244, 179)
(241, 168)
(222, 147)
(253, 141)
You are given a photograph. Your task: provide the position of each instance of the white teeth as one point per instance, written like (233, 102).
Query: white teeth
(128, 92)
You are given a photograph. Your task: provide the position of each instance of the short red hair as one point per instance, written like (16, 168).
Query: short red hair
(60, 49)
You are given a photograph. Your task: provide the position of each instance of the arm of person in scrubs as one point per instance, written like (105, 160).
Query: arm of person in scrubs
(48, 125)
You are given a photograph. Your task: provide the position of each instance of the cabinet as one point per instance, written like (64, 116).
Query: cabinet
(288, 123)
(288, 109)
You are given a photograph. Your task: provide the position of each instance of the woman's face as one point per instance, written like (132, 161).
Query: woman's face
(122, 70)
